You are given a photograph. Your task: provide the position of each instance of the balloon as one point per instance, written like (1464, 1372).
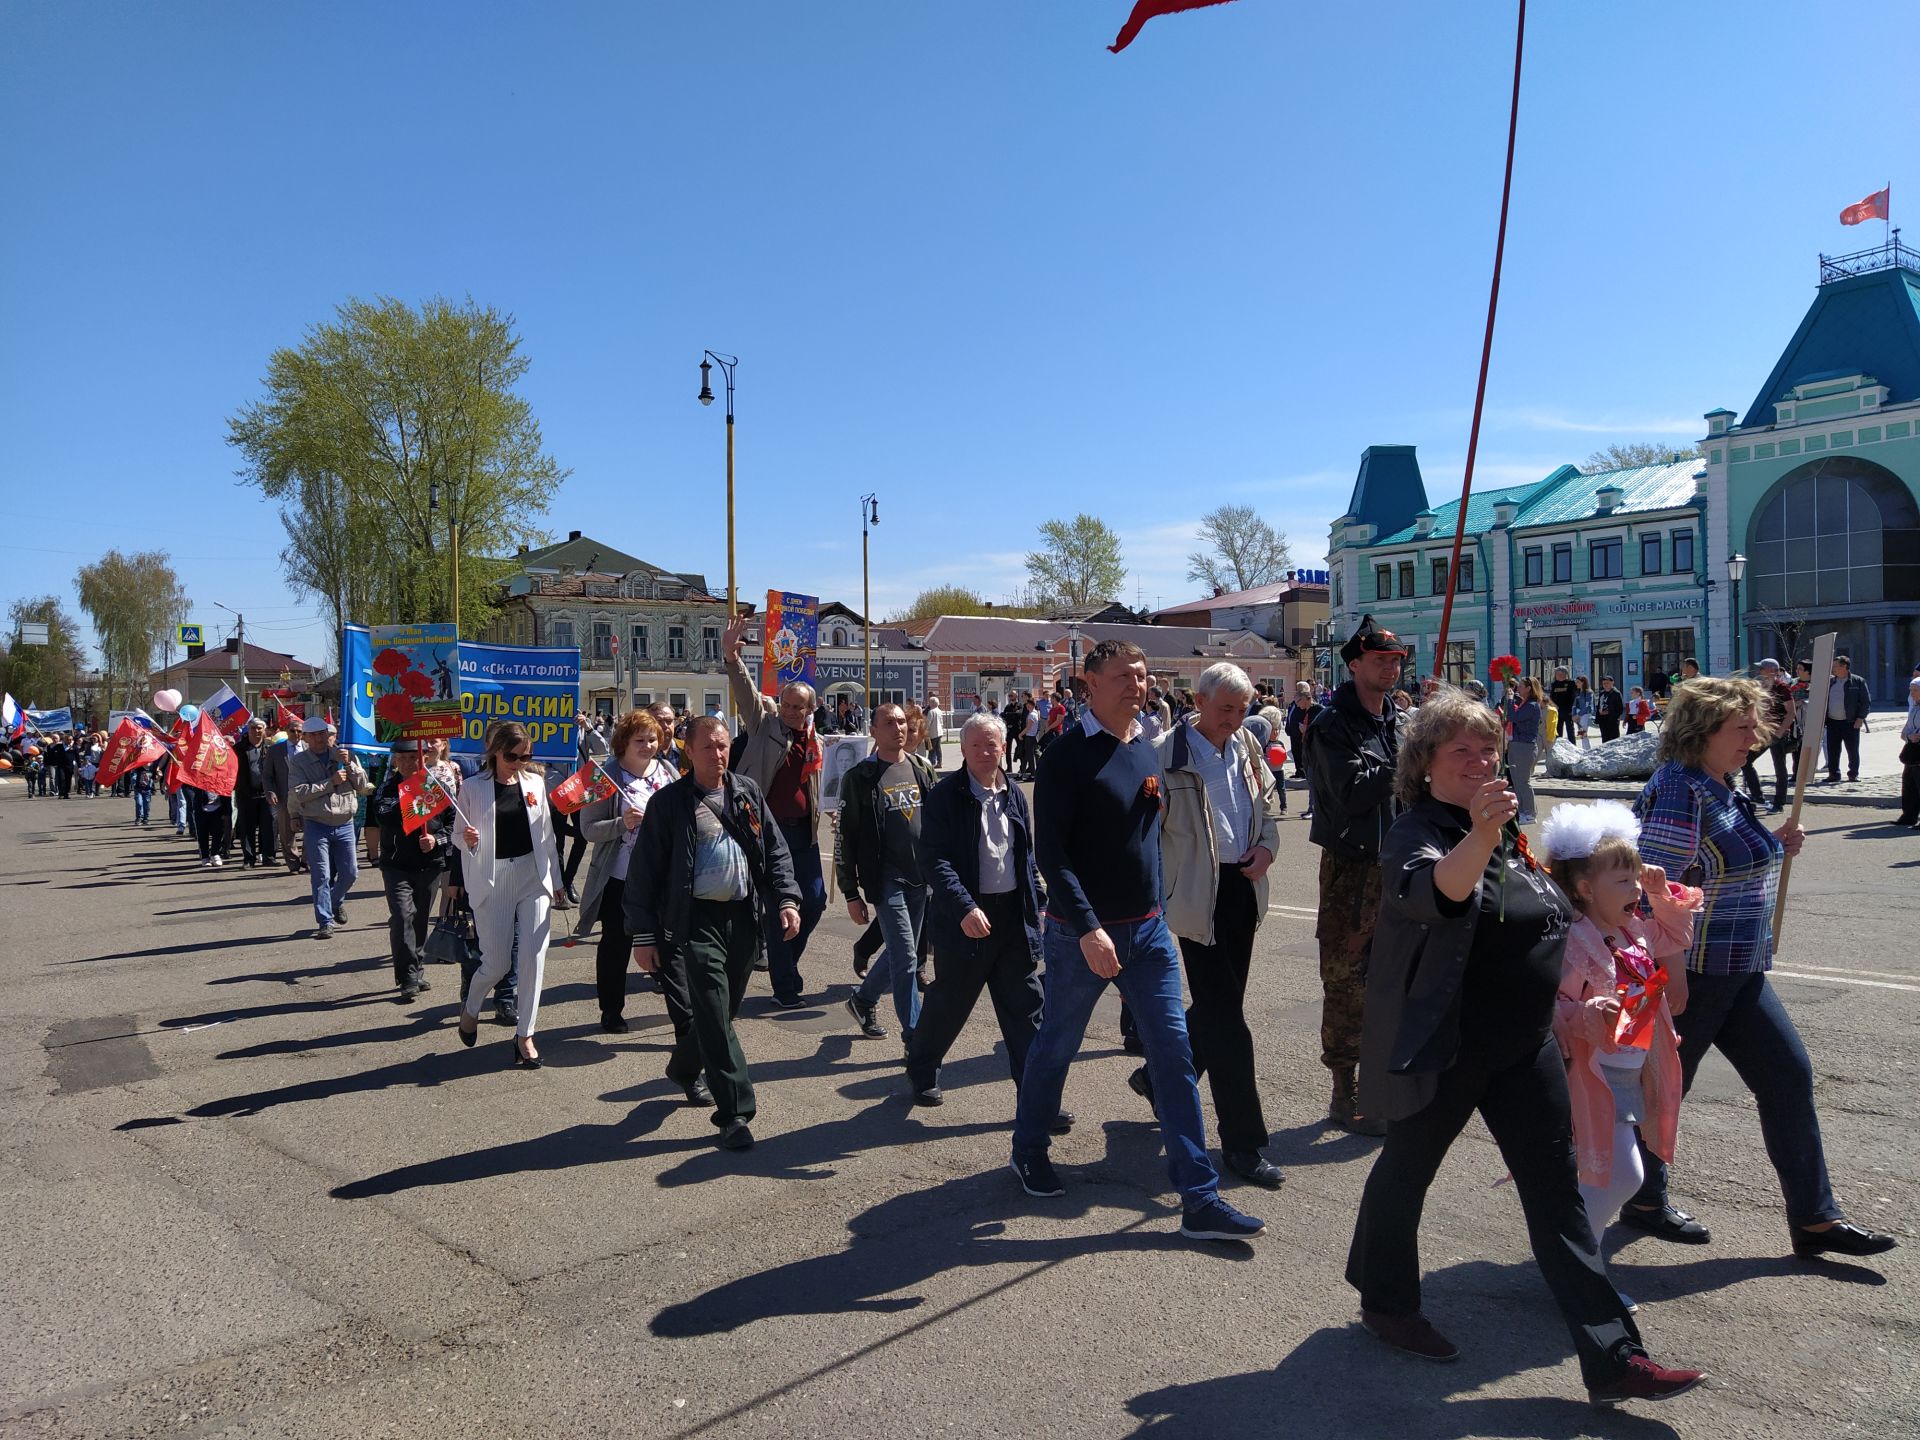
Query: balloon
(190, 713)
(5, 764)
(31, 751)
(166, 699)
(1276, 756)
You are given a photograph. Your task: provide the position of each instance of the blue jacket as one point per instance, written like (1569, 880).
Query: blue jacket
(950, 860)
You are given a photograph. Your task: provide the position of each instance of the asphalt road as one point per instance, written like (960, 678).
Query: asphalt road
(248, 1194)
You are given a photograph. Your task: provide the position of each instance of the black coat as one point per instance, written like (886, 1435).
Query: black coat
(950, 861)
(1352, 757)
(400, 850)
(659, 889)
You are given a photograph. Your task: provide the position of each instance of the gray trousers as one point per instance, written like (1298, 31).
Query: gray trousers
(1520, 756)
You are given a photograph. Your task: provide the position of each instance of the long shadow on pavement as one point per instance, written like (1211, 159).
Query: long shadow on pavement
(1342, 1384)
(908, 1239)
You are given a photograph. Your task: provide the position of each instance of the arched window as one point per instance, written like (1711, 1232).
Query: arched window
(1835, 531)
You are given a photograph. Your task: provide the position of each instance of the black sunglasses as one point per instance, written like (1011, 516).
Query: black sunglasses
(519, 757)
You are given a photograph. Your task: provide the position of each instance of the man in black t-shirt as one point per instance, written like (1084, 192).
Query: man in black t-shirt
(880, 801)
(1560, 694)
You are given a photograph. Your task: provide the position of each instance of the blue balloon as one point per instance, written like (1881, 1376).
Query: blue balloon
(190, 714)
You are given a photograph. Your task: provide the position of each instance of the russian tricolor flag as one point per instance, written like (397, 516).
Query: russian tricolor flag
(228, 710)
(12, 723)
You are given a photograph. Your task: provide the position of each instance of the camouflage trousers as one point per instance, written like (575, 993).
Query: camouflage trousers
(1349, 905)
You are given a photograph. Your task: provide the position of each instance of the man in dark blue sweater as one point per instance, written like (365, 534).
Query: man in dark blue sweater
(1097, 839)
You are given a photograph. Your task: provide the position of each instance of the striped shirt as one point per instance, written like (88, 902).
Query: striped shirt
(1689, 819)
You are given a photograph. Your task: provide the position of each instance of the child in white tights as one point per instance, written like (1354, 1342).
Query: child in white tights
(1614, 1014)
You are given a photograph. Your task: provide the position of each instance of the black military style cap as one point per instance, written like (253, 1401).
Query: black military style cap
(1370, 639)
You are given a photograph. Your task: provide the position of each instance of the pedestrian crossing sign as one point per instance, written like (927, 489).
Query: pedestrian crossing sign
(188, 635)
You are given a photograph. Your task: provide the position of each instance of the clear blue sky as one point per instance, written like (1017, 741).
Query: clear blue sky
(968, 258)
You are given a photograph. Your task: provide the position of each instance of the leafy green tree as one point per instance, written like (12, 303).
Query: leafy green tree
(385, 433)
(947, 600)
(1638, 453)
(133, 601)
(40, 675)
(1243, 550)
(1078, 562)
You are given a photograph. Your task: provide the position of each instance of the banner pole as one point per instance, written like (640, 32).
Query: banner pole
(1816, 712)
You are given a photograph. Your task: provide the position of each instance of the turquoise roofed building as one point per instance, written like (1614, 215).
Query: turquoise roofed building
(1799, 517)
(1596, 572)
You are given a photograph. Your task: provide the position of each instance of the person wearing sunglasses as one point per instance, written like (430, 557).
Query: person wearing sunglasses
(511, 870)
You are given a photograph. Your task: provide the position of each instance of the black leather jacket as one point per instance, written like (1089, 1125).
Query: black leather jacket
(1351, 754)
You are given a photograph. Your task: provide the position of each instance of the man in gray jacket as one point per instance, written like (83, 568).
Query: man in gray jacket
(274, 763)
(326, 785)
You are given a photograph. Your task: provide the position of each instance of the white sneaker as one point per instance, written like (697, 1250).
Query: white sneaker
(218, 862)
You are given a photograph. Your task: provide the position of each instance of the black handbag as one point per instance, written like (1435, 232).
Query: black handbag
(1910, 753)
(446, 941)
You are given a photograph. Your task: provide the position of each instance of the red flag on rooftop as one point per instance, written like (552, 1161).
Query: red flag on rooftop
(580, 789)
(422, 797)
(1876, 206)
(130, 748)
(1147, 10)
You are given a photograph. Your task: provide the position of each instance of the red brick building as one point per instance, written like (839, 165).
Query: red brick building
(976, 658)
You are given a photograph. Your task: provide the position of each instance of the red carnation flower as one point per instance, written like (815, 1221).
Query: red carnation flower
(396, 709)
(1504, 668)
(418, 684)
(390, 662)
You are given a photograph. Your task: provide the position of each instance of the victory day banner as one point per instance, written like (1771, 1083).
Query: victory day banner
(416, 682)
(790, 640)
(537, 685)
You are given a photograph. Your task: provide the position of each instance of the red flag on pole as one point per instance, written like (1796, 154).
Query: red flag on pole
(130, 748)
(422, 797)
(1876, 206)
(1147, 10)
(207, 761)
(581, 789)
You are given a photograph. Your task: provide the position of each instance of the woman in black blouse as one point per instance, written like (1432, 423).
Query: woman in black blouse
(511, 870)
(1460, 994)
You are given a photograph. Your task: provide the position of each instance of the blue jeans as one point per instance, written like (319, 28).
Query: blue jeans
(902, 912)
(783, 955)
(1743, 1017)
(142, 799)
(177, 809)
(331, 866)
(1149, 981)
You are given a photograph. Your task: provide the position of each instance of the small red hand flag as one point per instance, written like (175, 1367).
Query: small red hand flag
(1876, 206)
(580, 789)
(207, 761)
(1147, 10)
(422, 797)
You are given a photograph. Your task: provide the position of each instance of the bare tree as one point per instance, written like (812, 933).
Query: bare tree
(1245, 551)
(1636, 454)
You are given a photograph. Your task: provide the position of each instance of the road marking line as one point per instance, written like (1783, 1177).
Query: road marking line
(1871, 974)
(1847, 980)
(1294, 910)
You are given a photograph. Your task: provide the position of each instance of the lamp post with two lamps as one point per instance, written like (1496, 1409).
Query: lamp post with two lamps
(727, 364)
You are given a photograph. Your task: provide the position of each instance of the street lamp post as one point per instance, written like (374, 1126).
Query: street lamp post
(869, 516)
(727, 364)
(1736, 572)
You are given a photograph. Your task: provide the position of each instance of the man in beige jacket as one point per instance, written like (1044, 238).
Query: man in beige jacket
(1217, 839)
(325, 784)
(783, 756)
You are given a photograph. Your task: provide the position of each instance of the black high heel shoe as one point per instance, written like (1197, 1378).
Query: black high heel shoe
(467, 1037)
(521, 1059)
(1841, 1238)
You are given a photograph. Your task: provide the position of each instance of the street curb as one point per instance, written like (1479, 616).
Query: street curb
(1630, 791)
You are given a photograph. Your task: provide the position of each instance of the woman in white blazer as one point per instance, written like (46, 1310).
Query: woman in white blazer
(511, 870)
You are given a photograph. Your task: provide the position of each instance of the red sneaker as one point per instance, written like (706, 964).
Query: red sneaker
(1646, 1380)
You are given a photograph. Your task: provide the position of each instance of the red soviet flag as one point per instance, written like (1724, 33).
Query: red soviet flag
(207, 761)
(1876, 206)
(1147, 10)
(131, 747)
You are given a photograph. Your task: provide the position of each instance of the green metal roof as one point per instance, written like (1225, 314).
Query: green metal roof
(1865, 324)
(1564, 497)
(1645, 487)
(1479, 512)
